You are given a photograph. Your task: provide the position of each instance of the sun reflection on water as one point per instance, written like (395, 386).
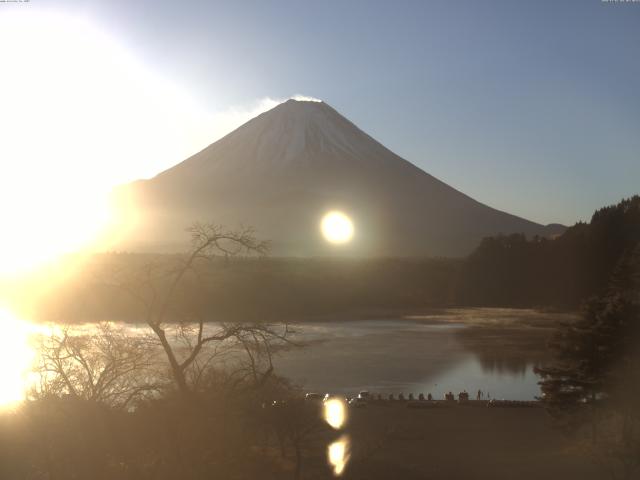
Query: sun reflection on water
(338, 454)
(335, 412)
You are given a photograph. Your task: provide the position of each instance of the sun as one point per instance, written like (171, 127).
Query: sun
(337, 228)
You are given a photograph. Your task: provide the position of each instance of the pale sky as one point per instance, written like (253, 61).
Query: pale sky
(529, 107)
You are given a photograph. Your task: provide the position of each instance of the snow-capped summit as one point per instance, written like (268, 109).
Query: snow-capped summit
(292, 132)
(282, 170)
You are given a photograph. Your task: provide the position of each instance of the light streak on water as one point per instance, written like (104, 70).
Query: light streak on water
(338, 454)
(335, 412)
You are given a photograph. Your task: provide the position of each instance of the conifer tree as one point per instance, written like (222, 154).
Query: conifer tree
(593, 386)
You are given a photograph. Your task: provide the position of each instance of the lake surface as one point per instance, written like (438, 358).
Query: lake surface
(407, 356)
(493, 350)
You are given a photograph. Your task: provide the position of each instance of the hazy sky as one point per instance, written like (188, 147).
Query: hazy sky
(531, 107)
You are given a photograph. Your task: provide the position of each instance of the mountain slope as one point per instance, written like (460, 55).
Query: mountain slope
(281, 171)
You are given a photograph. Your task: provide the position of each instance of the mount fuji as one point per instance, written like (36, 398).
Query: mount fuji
(283, 170)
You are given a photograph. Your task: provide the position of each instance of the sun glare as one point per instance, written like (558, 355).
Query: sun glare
(337, 227)
(16, 358)
(79, 115)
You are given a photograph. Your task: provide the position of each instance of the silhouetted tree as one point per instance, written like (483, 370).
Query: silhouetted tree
(594, 380)
(173, 295)
(515, 271)
(295, 422)
(108, 366)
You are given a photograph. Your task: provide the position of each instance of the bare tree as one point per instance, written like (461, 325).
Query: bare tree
(170, 293)
(108, 366)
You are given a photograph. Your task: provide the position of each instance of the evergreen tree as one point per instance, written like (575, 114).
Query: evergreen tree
(515, 271)
(593, 386)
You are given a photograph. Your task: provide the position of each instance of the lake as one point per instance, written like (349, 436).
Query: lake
(420, 355)
(493, 350)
